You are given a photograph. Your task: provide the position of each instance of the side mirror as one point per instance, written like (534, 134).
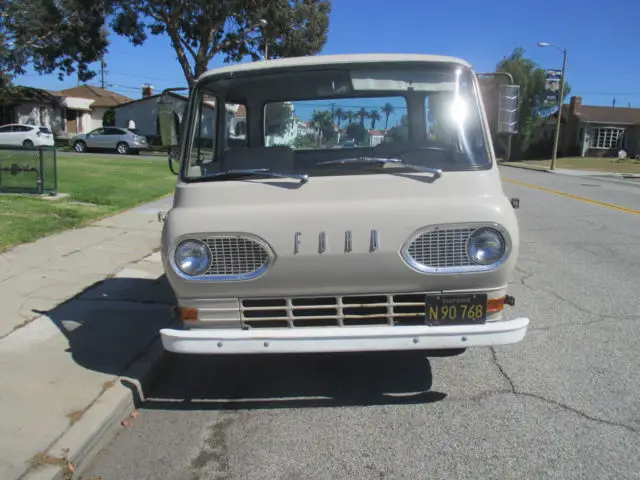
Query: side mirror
(166, 119)
(509, 97)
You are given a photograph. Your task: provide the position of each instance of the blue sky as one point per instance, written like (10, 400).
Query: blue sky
(602, 39)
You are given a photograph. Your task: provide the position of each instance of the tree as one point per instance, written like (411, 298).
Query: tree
(532, 81)
(323, 123)
(357, 132)
(338, 115)
(306, 140)
(279, 118)
(63, 36)
(109, 118)
(374, 115)
(201, 29)
(387, 110)
(363, 113)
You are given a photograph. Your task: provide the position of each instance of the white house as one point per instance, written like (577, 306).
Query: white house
(375, 137)
(67, 112)
(84, 106)
(144, 113)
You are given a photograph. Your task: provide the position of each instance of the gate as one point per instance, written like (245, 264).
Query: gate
(28, 170)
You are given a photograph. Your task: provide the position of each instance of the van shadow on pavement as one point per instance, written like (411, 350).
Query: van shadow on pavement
(112, 322)
(293, 381)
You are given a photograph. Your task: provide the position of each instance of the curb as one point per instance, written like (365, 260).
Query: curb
(597, 174)
(102, 421)
(535, 169)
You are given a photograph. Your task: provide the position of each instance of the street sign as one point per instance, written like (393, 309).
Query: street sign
(552, 88)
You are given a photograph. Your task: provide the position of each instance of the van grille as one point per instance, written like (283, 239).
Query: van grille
(235, 255)
(442, 248)
(342, 311)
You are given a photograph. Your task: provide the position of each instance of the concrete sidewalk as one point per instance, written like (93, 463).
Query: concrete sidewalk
(79, 310)
(570, 172)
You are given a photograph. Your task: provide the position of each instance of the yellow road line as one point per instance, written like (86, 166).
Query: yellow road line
(575, 197)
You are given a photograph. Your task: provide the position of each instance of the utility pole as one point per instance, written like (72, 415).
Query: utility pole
(102, 72)
(560, 100)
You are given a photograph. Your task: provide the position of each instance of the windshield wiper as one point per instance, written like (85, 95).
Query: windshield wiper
(437, 173)
(265, 172)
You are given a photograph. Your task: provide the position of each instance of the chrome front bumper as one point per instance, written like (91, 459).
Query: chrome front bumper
(342, 339)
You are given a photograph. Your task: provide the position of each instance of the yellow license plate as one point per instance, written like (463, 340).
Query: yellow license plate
(459, 309)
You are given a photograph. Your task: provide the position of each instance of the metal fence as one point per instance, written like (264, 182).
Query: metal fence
(28, 170)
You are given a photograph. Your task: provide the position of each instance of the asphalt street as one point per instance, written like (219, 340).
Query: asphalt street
(562, 404)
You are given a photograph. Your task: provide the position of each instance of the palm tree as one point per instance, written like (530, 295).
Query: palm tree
(350, 116)
(374, 115)
(344, 116)
(338, 114)
(387, 110)
(362, 113)
(323, 125)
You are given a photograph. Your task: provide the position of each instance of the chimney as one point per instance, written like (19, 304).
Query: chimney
(147, 90)
(574, 106)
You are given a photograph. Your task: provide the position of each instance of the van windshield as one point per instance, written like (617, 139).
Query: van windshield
(302, 120)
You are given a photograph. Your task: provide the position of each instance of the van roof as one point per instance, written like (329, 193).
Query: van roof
(331, 60)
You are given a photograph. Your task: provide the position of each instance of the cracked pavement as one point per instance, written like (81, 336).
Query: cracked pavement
(562, 404)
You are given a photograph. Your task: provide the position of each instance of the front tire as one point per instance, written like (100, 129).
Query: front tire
(122, 148)
(27, 144)
(80, 147)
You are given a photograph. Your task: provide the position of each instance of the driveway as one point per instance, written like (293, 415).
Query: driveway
(563, 404)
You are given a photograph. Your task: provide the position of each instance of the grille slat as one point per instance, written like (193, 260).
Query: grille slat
(441, 248)
(235, 255)
(402, 309)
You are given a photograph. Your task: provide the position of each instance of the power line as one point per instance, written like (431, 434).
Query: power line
(147, 77)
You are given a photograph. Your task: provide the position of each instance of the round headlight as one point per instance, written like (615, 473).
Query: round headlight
(193, 257)
(486, 246)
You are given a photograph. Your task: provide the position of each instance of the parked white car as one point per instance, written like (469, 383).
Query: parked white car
(406, 245)
(27, 136)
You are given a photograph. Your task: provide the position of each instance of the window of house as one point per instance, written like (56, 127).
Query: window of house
(606, 138)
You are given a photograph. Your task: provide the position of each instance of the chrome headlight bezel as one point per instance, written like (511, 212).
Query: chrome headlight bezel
(499, 238)
(461, 269)
(215, 278)
(204, 262)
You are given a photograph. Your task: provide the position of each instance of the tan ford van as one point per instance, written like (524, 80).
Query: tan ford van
(339, 203)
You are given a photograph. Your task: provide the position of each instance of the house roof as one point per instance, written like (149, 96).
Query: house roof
(208, 102)
(622, 115)
(599, 114)
(172, 94)
(21, 93)
(102, 96)
(309, 61)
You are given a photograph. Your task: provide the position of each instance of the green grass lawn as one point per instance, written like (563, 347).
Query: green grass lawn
(612, 165)
(110, 185)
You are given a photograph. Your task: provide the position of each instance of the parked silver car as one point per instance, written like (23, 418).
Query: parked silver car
(121, 140)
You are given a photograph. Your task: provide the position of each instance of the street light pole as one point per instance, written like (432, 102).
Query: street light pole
(560, 100)
(263, 23)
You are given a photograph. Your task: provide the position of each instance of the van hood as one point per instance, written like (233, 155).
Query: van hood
(308, 228)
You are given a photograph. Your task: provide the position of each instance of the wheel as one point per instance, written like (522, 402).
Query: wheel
(27, 144)
(80, 146)
(122, 148)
